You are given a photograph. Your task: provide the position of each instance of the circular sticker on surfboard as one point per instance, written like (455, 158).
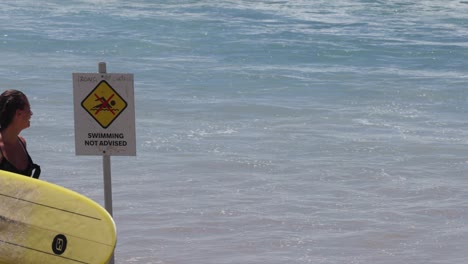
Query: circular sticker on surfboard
(59, 245)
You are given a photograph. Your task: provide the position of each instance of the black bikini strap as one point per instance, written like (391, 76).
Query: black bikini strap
(37, 171)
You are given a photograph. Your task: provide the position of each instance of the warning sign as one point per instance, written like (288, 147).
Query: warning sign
(104, 104)
(104, 114)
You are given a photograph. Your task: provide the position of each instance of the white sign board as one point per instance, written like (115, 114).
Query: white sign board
(104, 108)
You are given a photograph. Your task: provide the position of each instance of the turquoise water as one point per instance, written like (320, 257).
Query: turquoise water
(267, 131)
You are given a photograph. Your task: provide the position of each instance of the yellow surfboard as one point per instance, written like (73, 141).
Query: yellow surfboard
(44, 223)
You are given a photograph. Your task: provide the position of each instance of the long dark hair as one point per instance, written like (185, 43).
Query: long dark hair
(10, 101)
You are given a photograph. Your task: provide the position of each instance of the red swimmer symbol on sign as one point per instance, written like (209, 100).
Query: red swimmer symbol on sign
(110, 104)
(104, 103)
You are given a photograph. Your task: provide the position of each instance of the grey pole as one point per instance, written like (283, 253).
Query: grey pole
(106, 166)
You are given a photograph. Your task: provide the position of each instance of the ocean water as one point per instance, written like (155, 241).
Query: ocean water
(267, 131)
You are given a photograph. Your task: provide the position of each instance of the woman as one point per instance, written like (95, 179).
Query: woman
(15, 113)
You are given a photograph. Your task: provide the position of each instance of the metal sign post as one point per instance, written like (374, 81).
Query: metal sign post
(106, 170)
(104, 120)
(106, 167)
